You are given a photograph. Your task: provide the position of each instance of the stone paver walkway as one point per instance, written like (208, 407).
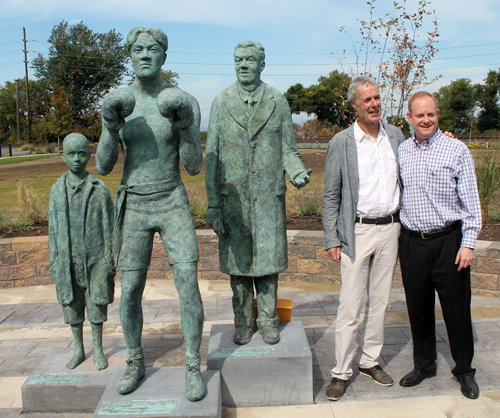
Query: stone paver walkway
(31, 325)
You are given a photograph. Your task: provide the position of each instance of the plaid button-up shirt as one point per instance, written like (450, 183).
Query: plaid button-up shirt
(439, 186)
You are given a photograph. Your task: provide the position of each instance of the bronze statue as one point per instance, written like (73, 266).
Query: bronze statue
(157, 124)
(250, 146)
(80, 241)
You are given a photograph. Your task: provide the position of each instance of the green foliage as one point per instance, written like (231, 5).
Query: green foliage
(401, 123)
(456, 104)
(487, 95)
(203, 135)
(39, 105)
(488, 181)
(51, 148)
(495, 216)
(310, 203)
(327, 99)
(87, 64)
(27, 147)
(170, 76)
(60, 121)
(10, 223)
(199, 210)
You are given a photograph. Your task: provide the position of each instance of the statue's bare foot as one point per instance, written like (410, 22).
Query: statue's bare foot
(78, 358)
(195, 389)
(134, 372)
(100, 360)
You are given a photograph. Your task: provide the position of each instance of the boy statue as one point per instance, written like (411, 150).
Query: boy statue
(80, 241)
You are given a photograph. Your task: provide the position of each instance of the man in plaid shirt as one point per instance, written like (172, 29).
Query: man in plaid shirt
(440, 222)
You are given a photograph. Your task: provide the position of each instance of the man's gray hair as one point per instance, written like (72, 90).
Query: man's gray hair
(156, 33)
(253, 44)
(358, 81)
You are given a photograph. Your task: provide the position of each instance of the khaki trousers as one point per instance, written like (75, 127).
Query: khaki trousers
(366, 283)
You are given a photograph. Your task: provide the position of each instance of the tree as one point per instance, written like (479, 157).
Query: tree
(327, 99)
(393, 52)
(487, 96)
(39, 106)
(456, 104)
(87, 64)
(60, 121)
(170, 76)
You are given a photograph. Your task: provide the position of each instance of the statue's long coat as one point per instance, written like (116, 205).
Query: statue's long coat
(97, 225)
(247, 157)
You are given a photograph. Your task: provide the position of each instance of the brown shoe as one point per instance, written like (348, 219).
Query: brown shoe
(336, 389)
(378, 375)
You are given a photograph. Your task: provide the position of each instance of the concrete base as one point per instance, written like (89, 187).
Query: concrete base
(259, 374)
(161, 394)
(54, 388)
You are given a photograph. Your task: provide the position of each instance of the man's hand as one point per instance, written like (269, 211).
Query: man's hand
(214, 219)
(465, 257)
(116, 106)
(449, 134)
(334, 254)
(301, 179)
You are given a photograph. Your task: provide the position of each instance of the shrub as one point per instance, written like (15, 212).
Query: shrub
(10, 223)
(31, 210)
(488, 181)
(51, 148)
(27, 147)
(495, 216)
(310, 203)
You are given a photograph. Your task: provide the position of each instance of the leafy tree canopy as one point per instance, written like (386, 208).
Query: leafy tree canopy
(86, 63)
(456, 104)
(327, 99)
(487, 95)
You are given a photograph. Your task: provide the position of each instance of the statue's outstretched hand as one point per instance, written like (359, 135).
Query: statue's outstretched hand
(116, 106)
(214, 219)
(301, 179)
(173, 104)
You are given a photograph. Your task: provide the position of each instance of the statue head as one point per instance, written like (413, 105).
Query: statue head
(249, 62)
(148, 51)
(76, 153)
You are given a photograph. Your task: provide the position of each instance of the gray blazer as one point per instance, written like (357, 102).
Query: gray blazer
(342, 187)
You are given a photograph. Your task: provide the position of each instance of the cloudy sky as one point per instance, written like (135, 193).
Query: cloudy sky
(301, 38)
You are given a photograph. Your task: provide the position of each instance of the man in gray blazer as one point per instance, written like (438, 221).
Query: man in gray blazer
(361, 224)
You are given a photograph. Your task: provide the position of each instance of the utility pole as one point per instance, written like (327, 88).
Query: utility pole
(27, 87)
(17, 113)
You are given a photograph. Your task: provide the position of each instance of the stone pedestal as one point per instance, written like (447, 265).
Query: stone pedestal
(54, 388)
(161, 394)
(259, 374)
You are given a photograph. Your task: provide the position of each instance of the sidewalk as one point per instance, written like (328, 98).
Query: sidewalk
(31, 325)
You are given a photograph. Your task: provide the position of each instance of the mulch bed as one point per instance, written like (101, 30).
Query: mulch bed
(490, 231)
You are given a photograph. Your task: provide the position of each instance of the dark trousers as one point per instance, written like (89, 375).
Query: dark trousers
(428, 265)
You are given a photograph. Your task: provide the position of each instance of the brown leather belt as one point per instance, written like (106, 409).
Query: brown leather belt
(378, 221)
(432, 234)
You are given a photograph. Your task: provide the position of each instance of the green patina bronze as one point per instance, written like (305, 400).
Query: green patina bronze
(146, 407)
(157, 125)
(249, 352)
(58, 379)
(80, 238)
(250, 146)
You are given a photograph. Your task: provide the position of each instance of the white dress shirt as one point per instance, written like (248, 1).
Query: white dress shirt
(378, 177)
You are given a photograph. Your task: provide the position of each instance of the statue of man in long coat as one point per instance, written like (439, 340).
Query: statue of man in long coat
(250, 146)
